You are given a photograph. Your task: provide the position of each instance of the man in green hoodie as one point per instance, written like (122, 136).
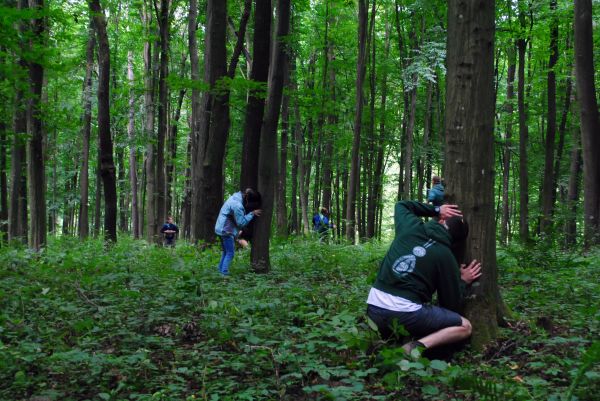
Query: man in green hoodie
(424, 259)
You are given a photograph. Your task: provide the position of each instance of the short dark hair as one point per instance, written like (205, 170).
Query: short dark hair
(252, 199)
(436, 179)
(459, 231)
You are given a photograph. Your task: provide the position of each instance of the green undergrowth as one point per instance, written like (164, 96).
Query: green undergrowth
(138, 322)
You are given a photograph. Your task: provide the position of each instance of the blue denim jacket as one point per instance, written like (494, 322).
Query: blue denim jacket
(232, 216)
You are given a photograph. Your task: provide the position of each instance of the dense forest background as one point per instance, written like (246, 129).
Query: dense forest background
(115, 115)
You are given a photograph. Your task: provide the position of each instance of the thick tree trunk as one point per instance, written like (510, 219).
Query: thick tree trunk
(35, 151)
(133, 181)
(256, 103)
(370, 211)
(469, 153)
(548, 181)
(86, 129)
(590, 122)
(268, 140)
(214, 126)
(510, 94)
(107, 166)
(523, 138)
(360, 77)
(164, 25)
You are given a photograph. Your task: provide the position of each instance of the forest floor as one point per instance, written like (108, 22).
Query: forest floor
(78, 322)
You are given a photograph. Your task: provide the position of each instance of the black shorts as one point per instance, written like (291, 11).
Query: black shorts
(420, 323)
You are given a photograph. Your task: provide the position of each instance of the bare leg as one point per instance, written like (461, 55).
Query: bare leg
(448, 335)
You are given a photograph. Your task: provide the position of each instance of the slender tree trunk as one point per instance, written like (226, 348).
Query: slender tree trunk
(548, 182)
(507, 145)
(190, 196)
(164, 25)
(268, 139)
(35, 151)
(424, 158)
(573, 191)
(469, 152)
(281, 199)
(3, 184)
(370, 212)
(98, 199)
(523, 137)
(256, 103)
(562, 128)
(172, 145)
(133, 181)
(17, 211)
(294, 224)
(590, 122)
(360, 77)
(150, 163)
(86, 129)
(300, 152)
(107, 166)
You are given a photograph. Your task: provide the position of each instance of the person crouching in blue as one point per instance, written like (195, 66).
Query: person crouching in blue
(232, 217)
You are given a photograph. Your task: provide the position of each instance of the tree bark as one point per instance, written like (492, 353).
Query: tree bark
(268, 140)
(35, 150)
(360, 77)
(150, 163)
(281, 198)
(107, 166)
(190, 195)
(573, 191)
(548, 181)
(133, 181)
(172, 145)
(561, 135)
(469, 152)
(590, 122)
(523, 136)
(256, 99)
(86, 129)
(17, 210)
(507, 145)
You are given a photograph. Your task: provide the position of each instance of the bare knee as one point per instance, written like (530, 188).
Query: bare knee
(466, 325)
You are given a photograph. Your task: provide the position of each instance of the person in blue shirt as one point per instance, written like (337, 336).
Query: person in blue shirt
(322, 224)
(436, 193)
(169, 229)
(233, 217)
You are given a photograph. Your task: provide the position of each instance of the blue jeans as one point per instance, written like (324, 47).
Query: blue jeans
(227, 244)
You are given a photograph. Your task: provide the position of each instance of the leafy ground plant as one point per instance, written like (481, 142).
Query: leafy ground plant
(137, 322)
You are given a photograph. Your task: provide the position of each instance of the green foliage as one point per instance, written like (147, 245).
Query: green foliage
(138, 322)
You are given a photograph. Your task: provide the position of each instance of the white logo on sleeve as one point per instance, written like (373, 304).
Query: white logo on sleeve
(406, 264)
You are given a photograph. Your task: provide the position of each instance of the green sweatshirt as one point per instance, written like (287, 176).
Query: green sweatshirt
(419, 261)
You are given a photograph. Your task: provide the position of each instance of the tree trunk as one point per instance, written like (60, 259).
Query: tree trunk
(268, 140)
(164, 25)
(133, 184)
(98, 194)
(561, 135)
(590, 122)
(86, 129)
(256, 103)
(360, 77)
(172, 145)
(573, 191)
(107, 166)
(370, 185)
(3, 184)
(299, 139)
(281, 199)
(507, 145)
(214, 126)
(150, 162)
(424, 159)
(523, 137)
(469, 152)
(35, 151)
(190, 196)
(548, 182)
(17, 211)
